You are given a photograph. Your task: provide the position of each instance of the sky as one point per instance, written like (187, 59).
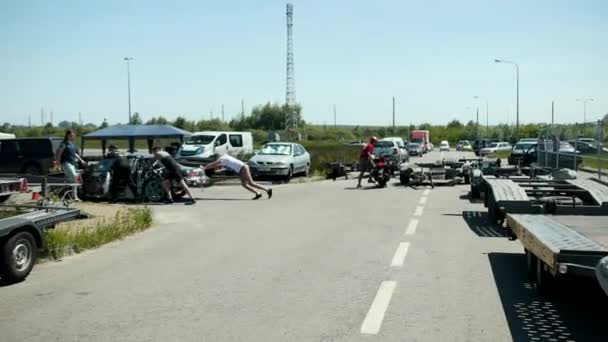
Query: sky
(192, 57)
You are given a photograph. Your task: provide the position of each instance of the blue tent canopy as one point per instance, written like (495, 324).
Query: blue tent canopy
(134, 132)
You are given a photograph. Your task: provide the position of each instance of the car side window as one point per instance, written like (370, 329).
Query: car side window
(302, 149)
(222, 139)
(236, 140)
(296, 150)
(8, 147)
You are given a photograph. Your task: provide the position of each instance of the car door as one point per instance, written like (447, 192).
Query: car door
(305, 157)
(299, 158)
(221, 144)
(10, 159)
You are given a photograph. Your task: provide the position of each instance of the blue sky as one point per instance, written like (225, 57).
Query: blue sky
(193, 56)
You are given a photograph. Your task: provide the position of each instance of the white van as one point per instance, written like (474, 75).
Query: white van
(200, 147)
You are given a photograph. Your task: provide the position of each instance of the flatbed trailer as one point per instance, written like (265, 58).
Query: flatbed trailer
(21, 235)
(542, 195)
(560, 245)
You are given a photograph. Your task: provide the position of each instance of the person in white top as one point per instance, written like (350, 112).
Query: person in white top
(242, 169)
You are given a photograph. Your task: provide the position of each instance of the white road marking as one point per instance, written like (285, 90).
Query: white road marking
(426, 192)
(418, 211)
(400, 254)
(422, 200)
(373, 320)
(411, 228)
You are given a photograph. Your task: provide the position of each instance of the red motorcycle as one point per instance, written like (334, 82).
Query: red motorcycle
(381, 172)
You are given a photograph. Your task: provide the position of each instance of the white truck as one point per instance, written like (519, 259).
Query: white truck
(201, 146)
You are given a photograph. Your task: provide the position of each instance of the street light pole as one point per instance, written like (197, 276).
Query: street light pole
(128, 60)
(517, 86)
(487, 111)
(584, 100)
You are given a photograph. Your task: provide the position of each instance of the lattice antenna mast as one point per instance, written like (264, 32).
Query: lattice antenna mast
(290, 87)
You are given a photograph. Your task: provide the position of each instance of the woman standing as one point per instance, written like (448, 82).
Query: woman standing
(66, 157)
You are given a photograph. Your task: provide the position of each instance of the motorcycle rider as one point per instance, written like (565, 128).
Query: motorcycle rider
(366, 159)
(173, 174)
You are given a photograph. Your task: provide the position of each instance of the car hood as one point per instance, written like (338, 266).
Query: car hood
(193, 148)
(268, 158)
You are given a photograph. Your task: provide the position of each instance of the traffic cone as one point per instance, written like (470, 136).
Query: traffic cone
(24, 185)
(35, 196)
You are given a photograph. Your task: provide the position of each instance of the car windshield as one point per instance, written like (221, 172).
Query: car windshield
(276, 149)
(444, 144)
(200, 139)
(523, 146)
(384, 144)
(413, 145)
(493, 145)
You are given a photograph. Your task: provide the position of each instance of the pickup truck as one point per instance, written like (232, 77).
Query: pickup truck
(21, 231)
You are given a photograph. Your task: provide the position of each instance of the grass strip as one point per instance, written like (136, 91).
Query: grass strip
(58, 243)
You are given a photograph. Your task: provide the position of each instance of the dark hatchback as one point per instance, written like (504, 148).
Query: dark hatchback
(32, 156)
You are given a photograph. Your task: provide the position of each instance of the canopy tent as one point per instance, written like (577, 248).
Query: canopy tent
(134, 132)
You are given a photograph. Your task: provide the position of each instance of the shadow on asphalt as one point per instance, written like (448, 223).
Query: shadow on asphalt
(468, 197)
(479, 224)
(222, 199)
(575, 311)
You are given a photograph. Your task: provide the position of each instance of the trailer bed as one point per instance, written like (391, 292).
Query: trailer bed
(577, 241)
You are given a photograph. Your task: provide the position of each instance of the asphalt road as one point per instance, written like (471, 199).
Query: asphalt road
(319, 262)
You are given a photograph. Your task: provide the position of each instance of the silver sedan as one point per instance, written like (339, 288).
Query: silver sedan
(280, 159)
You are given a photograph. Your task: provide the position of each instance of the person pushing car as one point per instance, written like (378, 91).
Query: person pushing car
(242, 169)
(173, 173)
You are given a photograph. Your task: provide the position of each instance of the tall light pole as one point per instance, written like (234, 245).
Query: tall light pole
(487, 111)
(128, 60)
(584, 100)
(517, 73)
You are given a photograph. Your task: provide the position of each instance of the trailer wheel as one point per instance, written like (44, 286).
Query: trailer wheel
(531, 265)
(543, 278)
(18, 257)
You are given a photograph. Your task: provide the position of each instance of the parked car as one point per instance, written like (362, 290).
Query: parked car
(280, 159)
(389, 148)
(518, 151)
(201, 146)
(33, 156)
(402, 149)
(464, 145)
(444, 146)
(588, 146)
(495, 147)
(479, 144)
(414, 149)
(566, 155)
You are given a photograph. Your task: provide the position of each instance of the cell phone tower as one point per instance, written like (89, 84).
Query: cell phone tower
(290, 84)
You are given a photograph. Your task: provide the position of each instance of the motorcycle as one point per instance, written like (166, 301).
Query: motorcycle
(381, 173)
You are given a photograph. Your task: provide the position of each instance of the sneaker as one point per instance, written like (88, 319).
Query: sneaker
(269, 193)
(191, 202)
(358, 186)
(257, 196)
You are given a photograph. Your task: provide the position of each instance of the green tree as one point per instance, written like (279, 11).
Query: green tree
(104, 124)
(136, 119)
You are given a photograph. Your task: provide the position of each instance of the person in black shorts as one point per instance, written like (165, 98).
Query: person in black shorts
(173, 174)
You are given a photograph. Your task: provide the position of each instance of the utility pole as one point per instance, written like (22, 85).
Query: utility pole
(223, 118)
(29, 120)
(51, 115)
(242, 109)
(80, 118)
(128, 60)
(477, 124)
(553, 116)
(42, 116)
(393, 113)
(335, 123)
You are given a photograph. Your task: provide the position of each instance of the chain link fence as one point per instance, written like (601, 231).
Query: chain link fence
(579, 147)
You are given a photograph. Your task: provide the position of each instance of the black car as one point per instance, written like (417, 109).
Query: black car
(565, 159)
(519, 150)
(34, 156)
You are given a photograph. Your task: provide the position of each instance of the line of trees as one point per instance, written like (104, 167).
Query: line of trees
(273, 117)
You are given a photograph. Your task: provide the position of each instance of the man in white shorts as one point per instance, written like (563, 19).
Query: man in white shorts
(242, 169)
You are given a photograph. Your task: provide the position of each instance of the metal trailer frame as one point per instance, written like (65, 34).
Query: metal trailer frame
(524, 195)
(10, 187)
(557, 246)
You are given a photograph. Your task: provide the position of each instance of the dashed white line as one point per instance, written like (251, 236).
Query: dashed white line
(400, 254)
(411, 228)
(418, 211)
(373, 320)
(426, 192)
(422, 200)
